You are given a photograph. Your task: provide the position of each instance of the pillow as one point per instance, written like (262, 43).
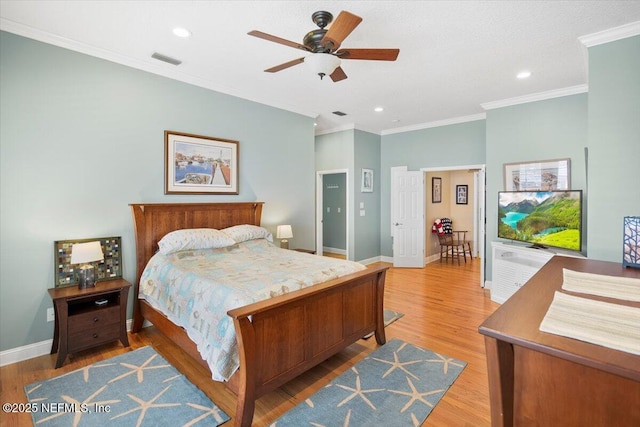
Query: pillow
(242, 233)
(194, 238)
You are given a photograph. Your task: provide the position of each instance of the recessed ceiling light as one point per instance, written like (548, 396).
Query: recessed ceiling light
(378, 109)
(524, 74)
(181, 32)
(395, 120)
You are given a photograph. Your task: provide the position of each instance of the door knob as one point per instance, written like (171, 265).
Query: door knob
(397, 223)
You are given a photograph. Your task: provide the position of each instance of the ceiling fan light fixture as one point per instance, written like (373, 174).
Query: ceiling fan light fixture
(323, 64)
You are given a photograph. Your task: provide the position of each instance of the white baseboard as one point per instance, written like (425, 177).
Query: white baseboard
(370, 260)
(30, 351)
(334, 250)
(38, 349)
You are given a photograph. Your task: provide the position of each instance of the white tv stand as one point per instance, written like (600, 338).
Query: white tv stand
(513, 266)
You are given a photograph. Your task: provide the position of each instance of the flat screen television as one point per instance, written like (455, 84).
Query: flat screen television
(541, 218)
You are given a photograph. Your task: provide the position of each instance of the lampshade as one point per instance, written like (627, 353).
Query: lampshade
(284, 232)
(322, 64)
(86, 252)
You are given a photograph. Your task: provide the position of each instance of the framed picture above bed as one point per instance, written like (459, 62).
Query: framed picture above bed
(196, 164)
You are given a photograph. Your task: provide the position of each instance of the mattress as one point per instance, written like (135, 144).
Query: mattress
(196, 288)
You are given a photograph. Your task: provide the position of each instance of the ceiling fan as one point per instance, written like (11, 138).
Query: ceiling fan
(324, 46)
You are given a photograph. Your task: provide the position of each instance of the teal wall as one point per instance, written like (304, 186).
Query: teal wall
(354, 150)
(335, 151)
(334, 221)
(367, 227)
(81, 138)
(453, 145)
(614, 144)
(543, 130)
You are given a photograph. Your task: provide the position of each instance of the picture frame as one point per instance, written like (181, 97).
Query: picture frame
(367, 181)
(436, 189)
(462, 192)
(108, 269)
(196, 164)
(544, 175)
(631, 242)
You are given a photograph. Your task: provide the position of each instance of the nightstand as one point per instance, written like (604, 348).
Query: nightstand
(89, 317)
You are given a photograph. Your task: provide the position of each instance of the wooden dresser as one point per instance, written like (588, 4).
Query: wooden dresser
(541, 379)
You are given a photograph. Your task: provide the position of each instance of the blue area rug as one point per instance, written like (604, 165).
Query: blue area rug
(396, 385)
(138, 388)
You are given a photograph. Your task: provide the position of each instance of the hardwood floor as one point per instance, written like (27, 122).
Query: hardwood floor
(443, 306)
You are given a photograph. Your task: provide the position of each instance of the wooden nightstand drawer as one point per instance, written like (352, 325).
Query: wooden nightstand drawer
(93, 319)
(92, 337)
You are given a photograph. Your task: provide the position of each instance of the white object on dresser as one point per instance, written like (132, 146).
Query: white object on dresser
(512, 267)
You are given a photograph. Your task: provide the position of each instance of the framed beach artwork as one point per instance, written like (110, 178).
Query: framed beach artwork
(196, 164)
(367, 181)
(545, 175)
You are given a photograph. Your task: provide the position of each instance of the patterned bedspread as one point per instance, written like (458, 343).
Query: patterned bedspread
(196, 288)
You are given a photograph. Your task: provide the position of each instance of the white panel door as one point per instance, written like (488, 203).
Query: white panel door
(408, 225)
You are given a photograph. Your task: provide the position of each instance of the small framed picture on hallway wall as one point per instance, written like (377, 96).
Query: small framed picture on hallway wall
(436, 190)
(461, 194)
(367, 181)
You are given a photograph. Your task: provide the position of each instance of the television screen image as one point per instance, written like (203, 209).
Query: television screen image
(542, 218)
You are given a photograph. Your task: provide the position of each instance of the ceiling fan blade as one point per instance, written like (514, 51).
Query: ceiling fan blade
(284, 66)
(370, 54)
(344, 24)
(276, 39)
(338, 74)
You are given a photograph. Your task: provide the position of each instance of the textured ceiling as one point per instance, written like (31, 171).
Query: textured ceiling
(454, 55)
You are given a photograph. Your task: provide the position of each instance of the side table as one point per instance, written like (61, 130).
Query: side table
(85, 318)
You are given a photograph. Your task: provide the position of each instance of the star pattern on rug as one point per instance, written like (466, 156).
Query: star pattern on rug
(118, 397)
(138, 370)
(344, 424)
(85, 371)
(415, 395)
(78, 405)
(446, 361)
(397, 364)
(144, 406)
(397, 384)
(358, 391)
(212, 411)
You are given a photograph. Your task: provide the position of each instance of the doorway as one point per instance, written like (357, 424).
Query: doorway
(332, 213)
(469, 216)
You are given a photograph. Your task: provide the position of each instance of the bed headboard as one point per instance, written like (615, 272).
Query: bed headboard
(153, 220)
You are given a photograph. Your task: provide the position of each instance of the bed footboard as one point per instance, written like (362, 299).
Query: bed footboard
(280, 338)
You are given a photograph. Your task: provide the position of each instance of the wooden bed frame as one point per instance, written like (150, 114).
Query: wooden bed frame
(279, 338)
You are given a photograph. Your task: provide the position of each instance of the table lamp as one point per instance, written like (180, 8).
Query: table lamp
(85, 254)
(284, 232)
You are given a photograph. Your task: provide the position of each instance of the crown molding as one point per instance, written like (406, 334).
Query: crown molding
(540, 96)
(446, 122)
(612, 34)
(350, 126)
